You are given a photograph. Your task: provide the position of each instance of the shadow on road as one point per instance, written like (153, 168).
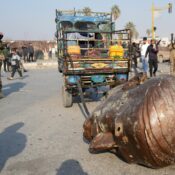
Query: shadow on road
(71, 167)
(11, 143)
(25, 76)
(12, 87)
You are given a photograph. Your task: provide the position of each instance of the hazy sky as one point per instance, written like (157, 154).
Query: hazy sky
(34, 19)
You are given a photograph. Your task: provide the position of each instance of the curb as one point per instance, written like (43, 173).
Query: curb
(41, 64)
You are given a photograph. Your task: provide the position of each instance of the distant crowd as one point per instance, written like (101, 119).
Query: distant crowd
(25, 53)
(14, 54)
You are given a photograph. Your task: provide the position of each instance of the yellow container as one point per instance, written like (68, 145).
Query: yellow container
(116, 51)
(73, 50)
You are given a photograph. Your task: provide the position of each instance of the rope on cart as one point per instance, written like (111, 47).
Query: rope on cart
(80, 91)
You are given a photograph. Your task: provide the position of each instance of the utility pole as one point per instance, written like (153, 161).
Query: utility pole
(152, 28)
(155, 9)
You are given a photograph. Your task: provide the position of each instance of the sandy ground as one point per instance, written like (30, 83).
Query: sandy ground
(40, 137)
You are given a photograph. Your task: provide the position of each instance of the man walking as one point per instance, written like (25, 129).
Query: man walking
(135, 52)
(144, 59)
(6, 53)
(31, 53)
(152, 51)
(25, 53)
(1, 60)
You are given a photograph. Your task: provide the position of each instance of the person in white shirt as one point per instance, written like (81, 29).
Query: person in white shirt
(143, 50)
(15, 63)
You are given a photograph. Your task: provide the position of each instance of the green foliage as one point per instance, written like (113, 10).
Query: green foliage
(115, 12)
(87, 11)
(134, 32)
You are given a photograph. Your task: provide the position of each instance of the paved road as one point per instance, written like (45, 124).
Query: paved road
(39, 137)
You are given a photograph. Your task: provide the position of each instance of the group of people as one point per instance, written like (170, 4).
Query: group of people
(28, 53)
(148, 53)
(11, 59)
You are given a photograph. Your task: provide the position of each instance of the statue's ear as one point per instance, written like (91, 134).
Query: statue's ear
(102, 142)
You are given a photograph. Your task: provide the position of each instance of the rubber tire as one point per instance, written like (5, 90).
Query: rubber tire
(59, 69)
(67, 98)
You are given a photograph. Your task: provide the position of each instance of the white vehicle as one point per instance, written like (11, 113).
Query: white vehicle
(164, 42)
(163, 54)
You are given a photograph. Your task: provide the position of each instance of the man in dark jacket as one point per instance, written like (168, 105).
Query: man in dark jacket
(152, 51)
(6, 63)
(31, 53)
(135, 53)
(25, 53)
(1, 60)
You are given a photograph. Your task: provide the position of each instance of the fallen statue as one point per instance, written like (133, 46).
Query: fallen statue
(137, 121)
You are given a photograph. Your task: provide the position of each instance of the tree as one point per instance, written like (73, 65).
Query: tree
(131, 26)
(115, 12)
(87, 11)
(148, 32)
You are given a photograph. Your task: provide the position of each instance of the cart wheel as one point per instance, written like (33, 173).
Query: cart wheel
(59, 69)
(67, 98)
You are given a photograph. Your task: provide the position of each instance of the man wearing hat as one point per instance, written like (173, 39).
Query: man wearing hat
(1, 60)
(143, 50)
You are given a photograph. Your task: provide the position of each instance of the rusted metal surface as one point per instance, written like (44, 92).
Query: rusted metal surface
(137, 121)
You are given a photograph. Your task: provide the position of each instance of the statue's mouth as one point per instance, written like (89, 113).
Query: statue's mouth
(91, 129)
(100, 138)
